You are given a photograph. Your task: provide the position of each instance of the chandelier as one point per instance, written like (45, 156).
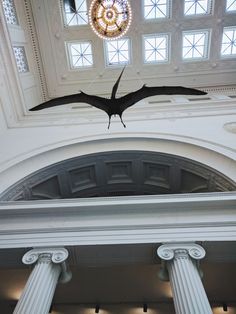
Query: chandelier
(110, 19)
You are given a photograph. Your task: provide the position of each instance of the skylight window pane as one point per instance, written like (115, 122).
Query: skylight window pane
(75, 12)
(228, 45)
(80, 54)
(195, 7)
(156, 9)
(117, 51)
(10, 12)
(195, 45)
(231, 5)
(156, 48)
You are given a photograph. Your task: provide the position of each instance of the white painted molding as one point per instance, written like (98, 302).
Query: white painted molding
(82, 114)
(11, 92)
(20, 162)
(230, 127)
(120, 220)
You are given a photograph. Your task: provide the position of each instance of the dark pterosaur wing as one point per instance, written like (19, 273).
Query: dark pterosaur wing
(95, 101)
(144, 92)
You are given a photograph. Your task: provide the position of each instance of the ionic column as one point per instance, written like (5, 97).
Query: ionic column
(37, 295)
(181, 268)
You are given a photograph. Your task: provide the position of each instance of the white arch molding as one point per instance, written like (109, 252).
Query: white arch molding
(208, 154)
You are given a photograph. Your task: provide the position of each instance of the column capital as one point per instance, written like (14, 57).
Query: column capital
(170, 251)
(50, 255)
(49, 268)
(55, 255)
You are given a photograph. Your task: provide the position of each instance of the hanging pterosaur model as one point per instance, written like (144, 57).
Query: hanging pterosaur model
(116, 106)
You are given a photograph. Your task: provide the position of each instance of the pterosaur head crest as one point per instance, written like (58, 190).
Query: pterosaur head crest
(115, 87)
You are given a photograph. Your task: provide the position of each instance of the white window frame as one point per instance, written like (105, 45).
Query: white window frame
(229, 11)
(207, 42)
(68, 45)
(229, 55)
(209, 10)
(107, 63)
(155, 19)
(145, 36)
(65, 17)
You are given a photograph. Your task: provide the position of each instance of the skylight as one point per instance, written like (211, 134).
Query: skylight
(155, 48)
(230, 5)
(194, 7)
(75, 12)
(228, 45)
(155, 9)
(195, 45)
(117, 51)
(80, 54)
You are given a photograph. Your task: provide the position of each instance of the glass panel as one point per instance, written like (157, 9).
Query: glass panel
(10, 11)
(75, 12)
(156, 48)
(231, 5)
(21, 60)
(117, 52)
(155, 9)
(195, 45)
(228, 45)
(80, 54)
(194, 7)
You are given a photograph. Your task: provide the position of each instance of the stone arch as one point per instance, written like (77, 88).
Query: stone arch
(119, 173)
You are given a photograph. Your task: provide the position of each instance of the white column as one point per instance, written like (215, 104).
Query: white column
(181, 268)
(37, 295)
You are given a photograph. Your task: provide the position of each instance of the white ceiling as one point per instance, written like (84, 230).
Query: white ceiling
(61, 80)
(137, 282)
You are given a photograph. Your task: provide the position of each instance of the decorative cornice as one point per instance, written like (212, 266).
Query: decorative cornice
(119, 220)
(35, 48)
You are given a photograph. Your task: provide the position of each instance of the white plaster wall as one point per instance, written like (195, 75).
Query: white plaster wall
(19, 36)
(25, 147)
(200, 138)
(3, 124)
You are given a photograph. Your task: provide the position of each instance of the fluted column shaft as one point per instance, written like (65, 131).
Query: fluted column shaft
(181, 262)
(39, 290)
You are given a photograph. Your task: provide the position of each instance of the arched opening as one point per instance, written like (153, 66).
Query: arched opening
(119, 173)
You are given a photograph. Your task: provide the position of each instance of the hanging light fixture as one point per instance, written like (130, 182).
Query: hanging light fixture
(110, 19)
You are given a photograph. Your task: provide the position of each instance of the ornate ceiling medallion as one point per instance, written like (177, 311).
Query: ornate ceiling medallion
(110, 19)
